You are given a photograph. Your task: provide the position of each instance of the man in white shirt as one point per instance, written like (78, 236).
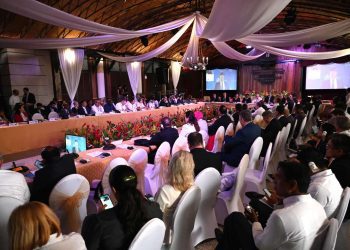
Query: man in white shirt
(121, 105)
(299, 225)
(97, 108)
(14, 98)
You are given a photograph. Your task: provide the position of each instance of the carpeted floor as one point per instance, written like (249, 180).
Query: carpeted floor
(207, 245)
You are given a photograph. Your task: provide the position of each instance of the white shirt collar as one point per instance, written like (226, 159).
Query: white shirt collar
(295, 198)
(323, 173)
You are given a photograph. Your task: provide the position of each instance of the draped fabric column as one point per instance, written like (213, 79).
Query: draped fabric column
(134, 73)
(71, 62)
(101, 89)
(175, 73)
(107, 65)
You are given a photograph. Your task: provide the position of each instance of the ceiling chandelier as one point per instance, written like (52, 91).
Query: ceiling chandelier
(199, 63)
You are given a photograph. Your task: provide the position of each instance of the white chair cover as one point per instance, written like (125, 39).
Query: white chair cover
(231, 200)
(184, 218)
(308, 125)
(283, 147)
(138, 161)
(238, 127)
(257, 119)
(343, 236)
(331, 236)
(180, 144)
(14, 192)
(68, 199)
(343, 206)
(150, 236)
(53, 115)
(274, 155)
(254, 153)
(205, 137)
(219, 139)
(37, 117)
(229, 130)
(298, 139)
(208, 181)
(155, 173)
(291, 135)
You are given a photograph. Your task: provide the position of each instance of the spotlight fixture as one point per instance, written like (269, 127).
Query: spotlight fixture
(248, 47)
(290, 16)
(144, 40)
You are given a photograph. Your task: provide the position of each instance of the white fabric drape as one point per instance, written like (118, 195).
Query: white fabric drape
(71, 62)
(152, 53)
(232, 19)
(134, 73)
(175, 73)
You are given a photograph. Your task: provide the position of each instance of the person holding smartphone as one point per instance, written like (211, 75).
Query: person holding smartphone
(115, 228)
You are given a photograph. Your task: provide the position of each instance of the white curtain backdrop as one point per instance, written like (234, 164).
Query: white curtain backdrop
(175, 73)
(232, 19)
(152, 53)
(71, 62)
(134, 73)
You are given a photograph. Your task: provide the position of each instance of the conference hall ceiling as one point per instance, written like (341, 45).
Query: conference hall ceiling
(138, 14)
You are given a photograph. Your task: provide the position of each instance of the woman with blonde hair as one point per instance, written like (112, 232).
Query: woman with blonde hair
(180, 178)
(35, 226)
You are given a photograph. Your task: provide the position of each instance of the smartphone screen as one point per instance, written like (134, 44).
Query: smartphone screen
(106, 201)
(267, 192)
(38, 164)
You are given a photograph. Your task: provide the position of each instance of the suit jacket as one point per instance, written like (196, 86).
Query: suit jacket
(31, 98)
(341, 168)
(224, 120)
(269, 134)
(269, 99)
(46, 178)
(235, 117)
(283, 121)
(166, 134)
(204, 159)
(81, 111)
(246, 100)
(237, 146)
(104, 231)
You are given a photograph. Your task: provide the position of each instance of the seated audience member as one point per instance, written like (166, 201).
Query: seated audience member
(235, 116)
(269, 134)
(179, 179)
(3, 118)
(259, 108)
(322, 137)
(141, 103)
(280, 116)
(35, 226)
(20, 114)
(180, 99)
(237, 98)
(338, 112)
(201, 157)
(97, 108)
(299, 117)
(290, 119)
(75, 110)
(214, 98)
(257, 98)
(64, 111)
(164, 102)
(40, 109)
(341, 124)
(167, 133)
(151, 103)
(191, 124)
(83, 110)
(203, 125)
(55, 168)
(224, 120)
(324, 186)
(52, 107)
(247, 99)
(224, 97)
(109, 106)
(131, 105)
(90, 103)
(291, 103)
(338, 148)
(269, 98)
(295, 226)
(115, 228)
(237, 146)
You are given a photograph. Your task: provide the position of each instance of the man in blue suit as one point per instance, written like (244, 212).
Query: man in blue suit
(237, 146)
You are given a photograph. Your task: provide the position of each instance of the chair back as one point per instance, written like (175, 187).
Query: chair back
(37, 117)
(14, 192)
(235, 203)
(343, 206)
(184, 217)
(105, 178)
(331, 236)
(254, 152)
(229, 130)
(263, 173)
(53, 115)
(238, 127)
(68, 200)
(291, 135)
(302, 126)
(219, 139)
(180, 144)
(275, 145)
(205, 137)
(150, 236)
(161, 162)
(138, 161)
(208, 181)
(257, 119)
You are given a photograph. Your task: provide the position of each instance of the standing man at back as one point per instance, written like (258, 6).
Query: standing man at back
(29, 100)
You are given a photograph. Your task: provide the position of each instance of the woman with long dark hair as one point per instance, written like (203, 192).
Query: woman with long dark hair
(191, 124)
(20, 114)
(115, 228)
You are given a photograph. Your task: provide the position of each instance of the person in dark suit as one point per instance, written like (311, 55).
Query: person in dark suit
(338, 147)
(224, 97)
(201, 157)
(269, 98)
(55, 168)
(238, 109)
(214, 98)
(29, 100)
(237, 146)
(269, 134)
(246, 99)
(280, 110)
(109, 106)
(299, 117)
(224, 120)
(237, 98)
(167, 133)
(115, 228)
(64, 112)
(83, 110)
